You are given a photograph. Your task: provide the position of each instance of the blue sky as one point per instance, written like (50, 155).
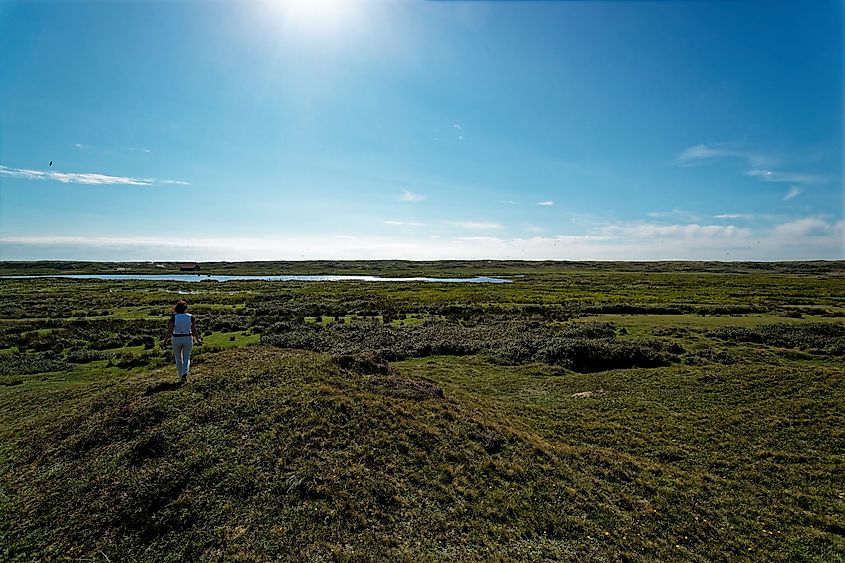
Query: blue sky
(421, 130)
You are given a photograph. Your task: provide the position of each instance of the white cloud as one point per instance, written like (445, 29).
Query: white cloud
(808, 227)
(475, 225)
(639, 230)
(699, 154)
(759, 164)
(401, 223)
(734, 216)
(87, 178)
(81, 146)
(546, 203)
(790, 177)
(794, 191)
(626, 242)
(411, 197)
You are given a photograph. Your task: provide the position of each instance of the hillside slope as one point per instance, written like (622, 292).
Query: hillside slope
(271, 453)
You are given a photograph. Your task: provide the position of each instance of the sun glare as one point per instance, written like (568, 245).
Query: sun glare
(317, 17)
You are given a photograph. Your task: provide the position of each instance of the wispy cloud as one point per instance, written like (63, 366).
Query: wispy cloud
(639, 230)
(546, 203)
(788, 177)
(759, 165)
(509, 202)
(87, 178)
(82, 147)
(675, 214)
(794, 191)
(699, 154)
(475, 225)
(410, 197)
(405, 223)
(734, 216)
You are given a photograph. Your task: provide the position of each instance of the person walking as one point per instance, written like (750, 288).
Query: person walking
(181, 331)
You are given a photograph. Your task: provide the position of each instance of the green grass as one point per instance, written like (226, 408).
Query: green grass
(225, 339)
(646, 324)
(269, 453)
(733, 450)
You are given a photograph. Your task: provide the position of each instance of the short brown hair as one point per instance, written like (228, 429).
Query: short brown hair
(181, 306)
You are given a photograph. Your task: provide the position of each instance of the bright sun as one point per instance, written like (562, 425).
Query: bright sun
(318, 16)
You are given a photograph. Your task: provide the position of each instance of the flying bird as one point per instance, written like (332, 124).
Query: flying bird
(51, 163)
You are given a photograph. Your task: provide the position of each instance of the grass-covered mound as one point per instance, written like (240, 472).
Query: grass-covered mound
(271, 453)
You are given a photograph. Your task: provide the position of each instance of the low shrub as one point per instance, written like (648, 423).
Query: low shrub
(587, 356)
(86, 355)
(824, 337)
(25, 364)
(505, 343)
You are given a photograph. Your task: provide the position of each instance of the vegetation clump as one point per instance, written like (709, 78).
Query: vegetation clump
(583, 347)
(823, 337)
(27, 364)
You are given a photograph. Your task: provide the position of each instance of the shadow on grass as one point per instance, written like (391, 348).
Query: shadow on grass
(161, 387)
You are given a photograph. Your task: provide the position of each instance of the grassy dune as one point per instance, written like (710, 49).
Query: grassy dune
(271, 453)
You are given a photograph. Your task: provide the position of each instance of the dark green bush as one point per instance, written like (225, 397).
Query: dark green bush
(85, 355)
(506, 343)
(824, 337)
(25, 364)
(588, 356)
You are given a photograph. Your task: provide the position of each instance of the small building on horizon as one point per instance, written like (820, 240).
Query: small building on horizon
(189, 267)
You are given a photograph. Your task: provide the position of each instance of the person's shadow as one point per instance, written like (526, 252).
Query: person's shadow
(160, 387)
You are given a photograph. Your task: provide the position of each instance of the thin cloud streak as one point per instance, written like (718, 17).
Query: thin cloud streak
(789, 177)
(85, 178)
(546, 203)
(699, 154)
(746, 216)
(794, 191)
(758, 164)
(475, 225)
(403, 223)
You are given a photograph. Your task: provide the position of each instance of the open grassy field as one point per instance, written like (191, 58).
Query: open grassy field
(585, 412)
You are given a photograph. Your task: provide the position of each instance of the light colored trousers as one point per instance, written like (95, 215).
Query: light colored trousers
(182, 346)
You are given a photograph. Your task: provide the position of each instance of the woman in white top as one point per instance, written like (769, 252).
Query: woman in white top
(181, 331)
